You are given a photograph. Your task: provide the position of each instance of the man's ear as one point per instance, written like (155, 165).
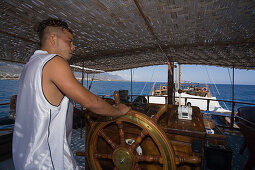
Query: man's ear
(52, 39)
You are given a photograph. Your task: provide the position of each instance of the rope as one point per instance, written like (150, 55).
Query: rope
(206, 81)
(147, 82)
(91, 82)
(230, 77)
(156, 79)
(210, 77)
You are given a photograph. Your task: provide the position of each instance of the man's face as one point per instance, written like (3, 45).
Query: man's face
(64, 45)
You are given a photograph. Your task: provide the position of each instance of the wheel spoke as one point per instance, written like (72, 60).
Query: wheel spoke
(121, 133)
(138, 140)
(161, 110)
(137, 167)
(102, 156)
(149, 158)
(107, 139)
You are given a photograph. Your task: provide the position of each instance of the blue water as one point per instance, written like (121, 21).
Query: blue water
(7, 89)
(243, 93)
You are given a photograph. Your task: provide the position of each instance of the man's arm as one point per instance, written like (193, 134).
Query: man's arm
(59, 73)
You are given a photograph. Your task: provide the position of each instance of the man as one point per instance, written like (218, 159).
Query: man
(41, 138)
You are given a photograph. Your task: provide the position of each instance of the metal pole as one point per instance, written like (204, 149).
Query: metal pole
(82, 76)
(87, 80)
(233, 94)
(179, 76)
(131, 86)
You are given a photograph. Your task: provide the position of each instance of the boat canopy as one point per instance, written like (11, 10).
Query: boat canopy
(124, 34)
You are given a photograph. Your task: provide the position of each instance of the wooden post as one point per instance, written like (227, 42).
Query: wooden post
(170, 87)
(153, 90)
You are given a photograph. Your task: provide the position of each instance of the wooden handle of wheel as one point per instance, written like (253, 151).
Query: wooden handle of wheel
(161, 110)
(116, 97)
(191, 160)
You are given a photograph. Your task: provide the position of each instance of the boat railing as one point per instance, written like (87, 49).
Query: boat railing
(232, 115)
(3, 104)
(186, 99)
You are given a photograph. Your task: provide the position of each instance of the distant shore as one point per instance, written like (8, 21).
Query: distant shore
(9, 78)
(78, 78)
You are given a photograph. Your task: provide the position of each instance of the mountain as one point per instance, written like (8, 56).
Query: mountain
(13, 71)
(10, 71)
(100, 76)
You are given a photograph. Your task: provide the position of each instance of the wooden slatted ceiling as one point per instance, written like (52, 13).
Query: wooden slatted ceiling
(123, 34)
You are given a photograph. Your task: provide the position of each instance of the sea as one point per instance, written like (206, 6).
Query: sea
(242, 93)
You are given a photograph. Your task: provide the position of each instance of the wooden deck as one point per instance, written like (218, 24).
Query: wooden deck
(78, 144)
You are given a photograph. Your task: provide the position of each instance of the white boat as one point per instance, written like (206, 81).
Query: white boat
(193, 94)
(198, 101)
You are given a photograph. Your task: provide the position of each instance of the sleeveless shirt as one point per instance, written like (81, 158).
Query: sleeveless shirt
(42, 131)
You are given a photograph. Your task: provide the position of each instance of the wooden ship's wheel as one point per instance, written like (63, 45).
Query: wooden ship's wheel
(133, 139)
(137, 141)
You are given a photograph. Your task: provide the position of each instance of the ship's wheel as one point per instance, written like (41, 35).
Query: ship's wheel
(133, 141)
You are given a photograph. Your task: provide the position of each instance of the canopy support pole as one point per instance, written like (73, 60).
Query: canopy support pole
(87, 80)
(170, 87)
(233, 103)
(82, 74)
(179, 76)
(131, 91)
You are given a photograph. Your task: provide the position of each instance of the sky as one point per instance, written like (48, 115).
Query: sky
(193, 73)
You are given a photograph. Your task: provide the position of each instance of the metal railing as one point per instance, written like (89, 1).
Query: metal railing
(2, 104)
(232, 115)
(185, 98)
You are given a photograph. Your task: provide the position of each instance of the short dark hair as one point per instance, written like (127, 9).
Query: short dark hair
(53, 23)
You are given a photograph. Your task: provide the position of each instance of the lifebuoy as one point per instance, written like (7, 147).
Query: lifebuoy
(204, 89)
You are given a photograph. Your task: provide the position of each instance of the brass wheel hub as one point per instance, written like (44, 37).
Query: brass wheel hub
(122, 159)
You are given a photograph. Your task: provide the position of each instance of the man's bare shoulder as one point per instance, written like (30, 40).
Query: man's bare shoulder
(57, 67)
(57, 64)
(57, 61)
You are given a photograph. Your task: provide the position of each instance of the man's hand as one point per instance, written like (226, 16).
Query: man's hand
(123, 109)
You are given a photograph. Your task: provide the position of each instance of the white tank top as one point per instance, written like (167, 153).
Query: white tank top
(42, 132)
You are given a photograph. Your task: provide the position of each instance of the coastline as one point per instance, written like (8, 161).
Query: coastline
(11, 78)
(113, 80)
